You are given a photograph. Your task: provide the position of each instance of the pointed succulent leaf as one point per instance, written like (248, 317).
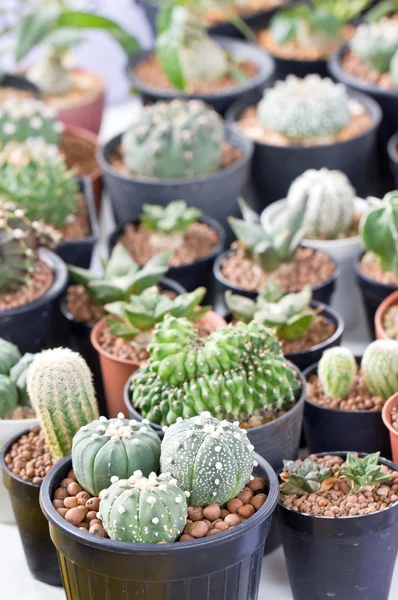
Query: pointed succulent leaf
(271, 292)
(363, 473)
(81, 276)
(248, 233)
(249, 215)
(304, 478)
(266, 256)
(176, 217)
(296, 326)
(121, 329)
(293, 304)
(120, 263)
(242, 308)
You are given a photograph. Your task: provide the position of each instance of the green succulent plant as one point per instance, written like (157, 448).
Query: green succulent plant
(8, 397)
(336, 371)
(9, 356)
(376, 43)
(19, 374)
(176, 217)
(363, 473)
(21, 120)
(379, 230)
(304, 478)
(380, 367)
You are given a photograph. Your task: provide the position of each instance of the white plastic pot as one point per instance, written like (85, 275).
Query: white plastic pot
(346, 299)
(9, 428)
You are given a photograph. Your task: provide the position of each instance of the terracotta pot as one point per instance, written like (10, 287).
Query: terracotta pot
(386, 414)
(88, 114)
(381, 334)
(116, 371)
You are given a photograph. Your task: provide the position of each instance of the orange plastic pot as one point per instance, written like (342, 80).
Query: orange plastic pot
(392, 299)
(386, 414)
(116, 371)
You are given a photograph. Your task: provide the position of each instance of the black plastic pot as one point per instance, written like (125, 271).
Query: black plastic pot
(321, 293)
(224, 566)
(79, 252)
(40, 552)
(30, 326)
(221, 99)
(299, 68)
(196, 274)
(392, 149)
(329, 430)
(274, 168)
(373, 293)
(19, 83)
(347, 558)
(214, 194)
(388, 101)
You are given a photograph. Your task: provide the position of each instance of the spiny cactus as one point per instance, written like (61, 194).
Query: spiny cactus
(61, 391)
(236, 372)
(122, 276)
(290, 315)
(110, 447)
(168, 224)
(363, 473)
(212, 460)
(35, 177)
(21, 120)
(376, 43)
(9, 356)
(329, 202)
(303, 478)
(311, 107)
(336, 371)
(176, 139)
(379, 230)
(19, 374)
(140, 509)
(270, 247)
(380, 367)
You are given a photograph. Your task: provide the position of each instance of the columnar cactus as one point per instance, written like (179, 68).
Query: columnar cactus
(140, 509)
(236, 372)
(380, 367)
(378, 229)
(167, 224)
(61, 391)
(376, 43)
(329, 202)
(176, 139)
(311, 107)
(19, 374)
(8, 396)
(24, 119)
(212, 460)
(110, 447)
(336, 371)
(9, 356)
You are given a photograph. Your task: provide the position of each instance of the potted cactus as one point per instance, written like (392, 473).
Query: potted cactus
(341, 133)
(331, 223)
(274, 251)
(31, 277)
(190, 530)
(59, 386)
(198, 158)
(305, 328)
(341, 511)
(345, 396)
(193, 240)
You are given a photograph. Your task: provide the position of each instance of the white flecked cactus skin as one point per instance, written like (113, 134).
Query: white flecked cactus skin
(376, 43)
(140, 509)
(330, 202)
(311, 107)
(211, 459)
(30, 118)
(380, 367)
(108, 447)
(336, 371)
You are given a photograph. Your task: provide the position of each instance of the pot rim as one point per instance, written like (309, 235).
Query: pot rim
(86, 190)
(88, 136)
(30, 422)
(380, 312)
(5, 450)
(93, 100)
(361, 275)
(386, 412)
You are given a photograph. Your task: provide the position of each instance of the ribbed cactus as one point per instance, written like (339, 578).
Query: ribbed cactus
(376, 43)
(211, 459)
(329, 202)
(30, 118)
(336, 371)
(140, 509)
(311, 107)
(236, 372)
(9, 356)
(8, 396)
(380, 367)
(176, 139)
(379, 230)
(61, 391)
(167, 224)
(19, 374)
(110, 447)
(35, 177)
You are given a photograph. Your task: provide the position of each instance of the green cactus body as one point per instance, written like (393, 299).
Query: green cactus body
(18, 375)
(378, 229)
(394, 69)
(140, 509)
(329, 199)
(61, 391)
(111, 447)
(336, 371)
(311, 107)
(212, 460)
(9, 356)
(176, 139)
(8, 396)
(236, 372)
(380, 367)
(376, 43)
(30, 118)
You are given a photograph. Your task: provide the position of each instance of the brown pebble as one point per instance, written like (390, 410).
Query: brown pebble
(258, 501)
(71, 475)
(186, 538)
(221, 525)
(257, 484)
(58, 503)
(246, 495)
(213, 532)
(73, 488)
(234, 504)
(95, 521)
(92, 514)
(62, 511)
(232, 520)
(212, 512)
(83, 525)
(93, 504)
(246, 511)
(198, 529)
(224, 513)
(98, 530)
(195, 513)
(65, 482)
(71, 502)
(60, 494)
(208, 523)
(76, 515)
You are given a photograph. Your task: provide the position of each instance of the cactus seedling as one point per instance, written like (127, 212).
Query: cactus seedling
(363, 473)
(9, 356)
(376, 43)
(26, 119)
(140, 509)
(380, 367)
(336, 371)
(379, 230)
(168, 224)
(307, 477)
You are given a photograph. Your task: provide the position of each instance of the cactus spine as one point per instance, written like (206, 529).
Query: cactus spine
(336, 371)
(380, 367)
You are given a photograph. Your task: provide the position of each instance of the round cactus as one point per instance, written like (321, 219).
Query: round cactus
(311, 107)
(336, 371)
(30, 118)
(118, 447)
(140, 509)
(330, 202)
(174, 139)
(9, 356)
(18, 375)
(380, 367)
(376, 43)
(211, 459)
(8, 396)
